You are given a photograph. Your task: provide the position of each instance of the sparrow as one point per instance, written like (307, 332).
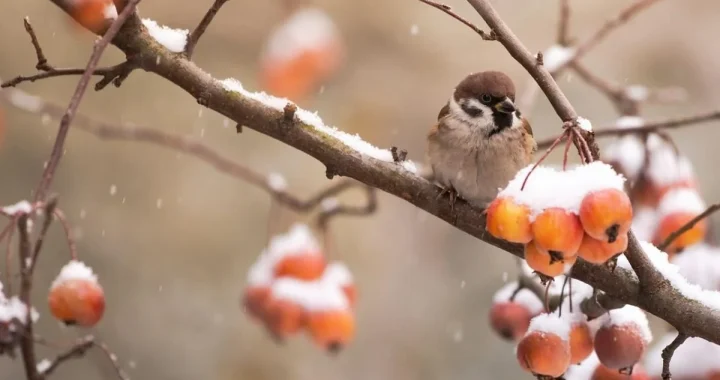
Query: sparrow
(480, 141)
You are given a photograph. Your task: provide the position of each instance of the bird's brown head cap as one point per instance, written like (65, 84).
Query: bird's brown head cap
(493, 83)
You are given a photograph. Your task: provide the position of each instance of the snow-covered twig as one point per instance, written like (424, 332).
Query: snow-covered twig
(27, 343)
(667, 354)
(200, 29)
(114, 74)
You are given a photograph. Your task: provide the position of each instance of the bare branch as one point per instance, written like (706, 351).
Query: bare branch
(79, 349)
(655, 126)
(113, 360)
(72, 246)
(336, 210)
(200, 29)
(687, 226)
(58, 147)
(667, 354)
(27, 344)
(49, 212)
(563, 36)
(619, 20)
(115, 74)
(448, 9)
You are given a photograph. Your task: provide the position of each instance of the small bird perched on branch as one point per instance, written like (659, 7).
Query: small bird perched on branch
(481, 140)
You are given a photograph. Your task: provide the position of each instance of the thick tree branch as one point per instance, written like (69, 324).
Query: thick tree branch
(663, 301)
(200, 29)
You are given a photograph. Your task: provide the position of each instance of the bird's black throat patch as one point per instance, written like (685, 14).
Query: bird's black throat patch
(502, 121)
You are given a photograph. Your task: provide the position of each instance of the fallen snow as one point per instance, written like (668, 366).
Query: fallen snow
(665, 167)
(626, 316)
(329, 204)
(547, 187)
(524, 297)
(44, 364)
(74, 270)
(22, 207)
(311, 295)
(700, 264)
(681, 200)
(551, 324)
(277, 182)
(14, 308)
(312, 119)
(584, 123)
(173, 39)
(556, 56)
(306, 29)
(693, 359)
(299, 240)
(260, 273)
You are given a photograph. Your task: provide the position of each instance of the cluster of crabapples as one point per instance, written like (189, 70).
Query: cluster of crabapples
(76, 297)
(291, 288)
(564, 343)
(562, 215)
(664, 188)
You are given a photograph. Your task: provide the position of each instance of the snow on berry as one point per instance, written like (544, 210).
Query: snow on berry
(700, 264)
(551, 188)
(626, 316)
(681, 200)
(74, 270)
(311, 295)
(551, 324)
(665, 166)
(524, 297)
(645, 222)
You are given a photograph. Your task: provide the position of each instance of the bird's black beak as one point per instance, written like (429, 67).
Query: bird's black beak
(506, 106)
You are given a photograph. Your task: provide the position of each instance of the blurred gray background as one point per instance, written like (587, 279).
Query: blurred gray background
(174, 275)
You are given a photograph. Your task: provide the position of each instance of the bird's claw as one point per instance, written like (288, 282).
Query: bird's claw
(452, 195)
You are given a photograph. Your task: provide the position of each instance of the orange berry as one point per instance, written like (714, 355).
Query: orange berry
(604, 373)
(305, 266)
(558, 230)
(510, 319)
(509, 221)
(284, 318)
(674, 221)
(255, 301)
(332, 330)
(581, 342)
(599, 252)
(92, 14)
(606, 214)
(543, 262)
(544, 354)
(619, 346)
(77, 301)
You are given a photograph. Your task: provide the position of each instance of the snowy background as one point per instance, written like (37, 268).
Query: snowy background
(172, 242)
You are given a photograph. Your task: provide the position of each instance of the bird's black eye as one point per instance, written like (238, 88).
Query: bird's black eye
(485, 98)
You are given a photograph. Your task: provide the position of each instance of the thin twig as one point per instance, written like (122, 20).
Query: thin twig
(7, 231)
(448, 9)
(335, 210)
(655, 126)
(563, 36)
(687, 226)
(200, 29)
(79, 349)
(114, 74)
(27, 344)
(113, 359)
(58, 147)
(72, 246)
(612, 24)
(667, 354)
(37, 247)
